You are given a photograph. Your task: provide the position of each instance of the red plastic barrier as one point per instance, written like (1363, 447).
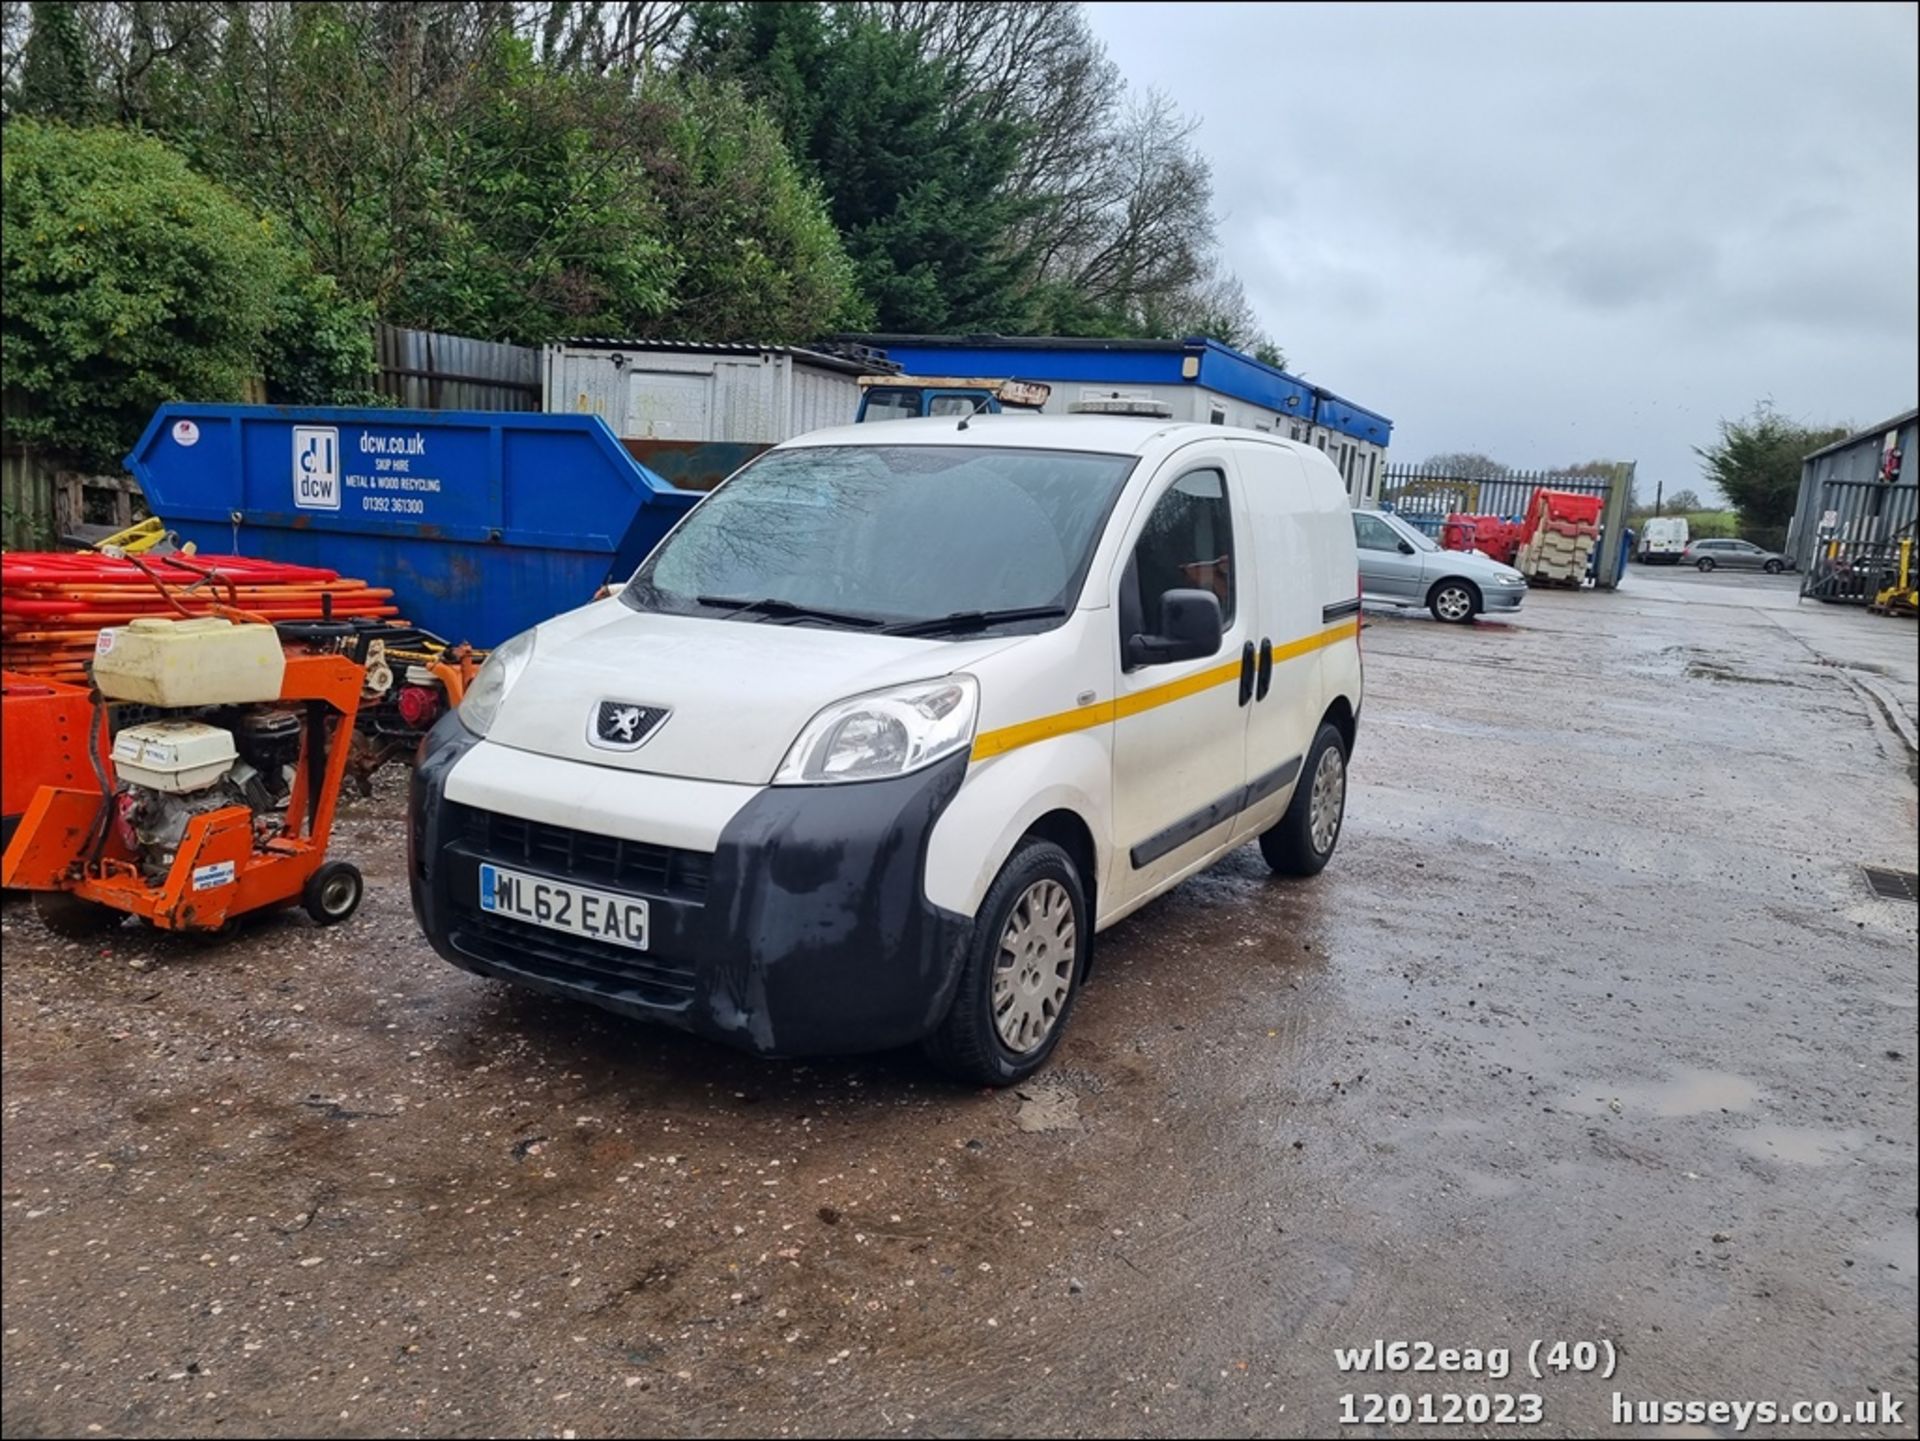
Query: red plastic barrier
(1563, 507)
(1493, 534)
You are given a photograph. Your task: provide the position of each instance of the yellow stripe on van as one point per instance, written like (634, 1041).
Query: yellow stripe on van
(1025, 733)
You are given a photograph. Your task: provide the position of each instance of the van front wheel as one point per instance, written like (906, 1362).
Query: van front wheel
(1022, 973)
(1301, 842)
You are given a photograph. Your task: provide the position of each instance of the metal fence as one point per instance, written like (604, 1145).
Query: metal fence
(1425, 496)
(425, 370)
(1416, 490)
(1853, 543)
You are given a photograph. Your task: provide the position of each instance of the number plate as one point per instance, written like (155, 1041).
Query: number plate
(597, 915)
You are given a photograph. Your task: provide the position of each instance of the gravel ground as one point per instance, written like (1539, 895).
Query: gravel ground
(1591, 1032)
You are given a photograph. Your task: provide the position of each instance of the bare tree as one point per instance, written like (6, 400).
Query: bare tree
(1464, 465)
(628, 37)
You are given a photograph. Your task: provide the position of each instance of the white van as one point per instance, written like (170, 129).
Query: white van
(1663, 540)
(892, 722)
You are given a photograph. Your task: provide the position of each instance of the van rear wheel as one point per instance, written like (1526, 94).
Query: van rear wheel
(1022, 973)
(1301, 842)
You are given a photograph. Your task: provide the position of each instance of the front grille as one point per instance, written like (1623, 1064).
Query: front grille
(572, 960)
(583, 856)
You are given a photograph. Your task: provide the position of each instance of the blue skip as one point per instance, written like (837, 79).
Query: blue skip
(482, 522)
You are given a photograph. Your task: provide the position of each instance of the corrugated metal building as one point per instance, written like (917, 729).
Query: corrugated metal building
(671, 390)
(426, 370)
(1197, 378)
(697, 411)
(1857, 497)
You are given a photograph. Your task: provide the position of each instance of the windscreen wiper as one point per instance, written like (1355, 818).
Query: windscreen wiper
(773, 606)
(965, 620)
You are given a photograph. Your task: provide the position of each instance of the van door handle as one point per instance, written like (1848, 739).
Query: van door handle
(1246, 673)
(1266, 669)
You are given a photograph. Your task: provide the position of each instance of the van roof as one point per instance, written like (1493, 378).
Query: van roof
(1107, 434)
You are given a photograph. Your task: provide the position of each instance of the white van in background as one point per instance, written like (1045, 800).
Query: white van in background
(892, 722)
(1662, 540)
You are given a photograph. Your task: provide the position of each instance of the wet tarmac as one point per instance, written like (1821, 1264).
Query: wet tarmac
(1592, 1032)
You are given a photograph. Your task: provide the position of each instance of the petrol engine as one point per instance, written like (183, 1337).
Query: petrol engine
(173, 770)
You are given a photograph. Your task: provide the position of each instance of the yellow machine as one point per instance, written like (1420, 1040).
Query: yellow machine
(1903, 596)
(137, 538)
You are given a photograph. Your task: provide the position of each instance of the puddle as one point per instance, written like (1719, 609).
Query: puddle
(1689, 1093)
(1429, 1127)
(1801, 1145)
(1710, 665)
(1487, 1187)
(1897, 1250)
(1717, 670)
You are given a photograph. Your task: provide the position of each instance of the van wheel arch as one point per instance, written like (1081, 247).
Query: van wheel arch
(1340, 716)
(1069, 831)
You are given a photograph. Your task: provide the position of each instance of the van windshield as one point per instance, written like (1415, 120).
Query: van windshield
(870, 535)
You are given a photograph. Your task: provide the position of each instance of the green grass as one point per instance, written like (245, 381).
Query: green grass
(1712, 524)
(1701, 524)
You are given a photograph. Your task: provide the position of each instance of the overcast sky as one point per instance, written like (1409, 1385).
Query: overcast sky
(1557, 234)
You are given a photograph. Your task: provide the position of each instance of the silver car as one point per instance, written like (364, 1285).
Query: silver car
(1734, 555)
(1402, 566)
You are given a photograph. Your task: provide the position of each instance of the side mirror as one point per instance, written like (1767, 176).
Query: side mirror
(1191, 620)
(1406, 547)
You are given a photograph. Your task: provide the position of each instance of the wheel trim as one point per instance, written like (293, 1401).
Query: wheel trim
(1033, 972)
(1454, 603)
(1327, 800)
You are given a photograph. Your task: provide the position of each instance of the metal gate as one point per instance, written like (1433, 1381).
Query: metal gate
(1426, 497)
(1855, 542)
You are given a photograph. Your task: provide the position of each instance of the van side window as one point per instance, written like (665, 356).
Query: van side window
(1187, 545)
(1372, 533)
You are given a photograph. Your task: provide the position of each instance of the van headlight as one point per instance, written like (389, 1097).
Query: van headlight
(884, 733)
(503, 667)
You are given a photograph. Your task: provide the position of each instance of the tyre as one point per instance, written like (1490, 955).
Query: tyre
(1455, 601)
(1022, 973)
(332, 893)
(70, 916)
(1704, 564)
(1772, 567)
(1301, 842)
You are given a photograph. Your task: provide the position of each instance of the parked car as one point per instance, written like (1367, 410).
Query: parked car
(1735, 555)
(892, 722)
(1402, 566)
(1663, 540)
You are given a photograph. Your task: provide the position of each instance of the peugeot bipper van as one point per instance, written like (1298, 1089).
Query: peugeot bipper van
(892, 722)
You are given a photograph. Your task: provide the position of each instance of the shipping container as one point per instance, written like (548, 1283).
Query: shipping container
(696, 412)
